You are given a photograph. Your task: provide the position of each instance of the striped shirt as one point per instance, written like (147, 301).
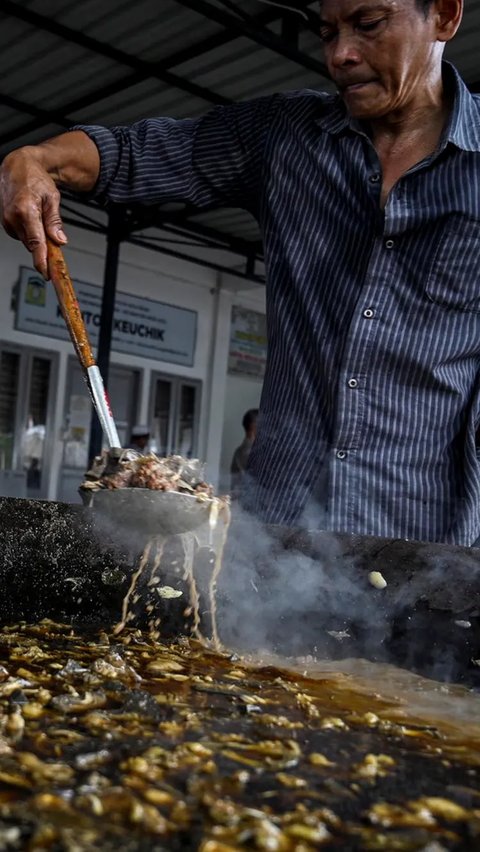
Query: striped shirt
(371, 398)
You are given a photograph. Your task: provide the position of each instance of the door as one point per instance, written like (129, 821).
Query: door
(123, 393)
(27, 385)
(174, 415)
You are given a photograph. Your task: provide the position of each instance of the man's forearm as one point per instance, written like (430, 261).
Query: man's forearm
(72, 160)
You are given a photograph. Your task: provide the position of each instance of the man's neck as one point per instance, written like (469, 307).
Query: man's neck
(406, 138)
(421, 128)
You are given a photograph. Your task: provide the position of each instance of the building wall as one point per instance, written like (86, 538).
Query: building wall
(160, 278)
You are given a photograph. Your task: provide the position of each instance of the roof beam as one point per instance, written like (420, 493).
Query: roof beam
(42, 116)
(144, 217)
(139, 217)
(222, 240)
(155, 69)
(145, 243)
(39, 21)
(268, 16)
(147, 70)
(60, 116)
(259, 35)
(246, 276)
(143, 70)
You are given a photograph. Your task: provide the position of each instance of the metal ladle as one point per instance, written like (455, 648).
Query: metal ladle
(72, 315)
(135, 510)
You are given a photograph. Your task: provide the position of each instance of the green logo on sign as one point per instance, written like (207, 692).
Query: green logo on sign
(36, 292)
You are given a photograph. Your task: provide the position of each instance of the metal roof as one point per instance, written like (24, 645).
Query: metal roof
(64, 61)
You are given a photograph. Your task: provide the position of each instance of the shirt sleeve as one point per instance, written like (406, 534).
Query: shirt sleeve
(214, 160)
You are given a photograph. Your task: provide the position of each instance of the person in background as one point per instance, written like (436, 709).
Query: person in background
(139, 439)
(241, 454)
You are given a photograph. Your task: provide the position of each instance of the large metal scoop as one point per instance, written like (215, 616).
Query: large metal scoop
(136, 511)
(140, 513)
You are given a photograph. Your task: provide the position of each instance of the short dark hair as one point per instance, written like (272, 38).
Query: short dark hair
(249, 418)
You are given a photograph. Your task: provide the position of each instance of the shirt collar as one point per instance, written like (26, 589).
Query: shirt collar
(463, 126)
(462, 130)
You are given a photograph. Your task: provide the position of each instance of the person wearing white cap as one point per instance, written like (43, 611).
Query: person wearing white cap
(139, 439)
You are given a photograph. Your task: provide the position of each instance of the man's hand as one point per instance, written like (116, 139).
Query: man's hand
(30, 204)
(29, 195)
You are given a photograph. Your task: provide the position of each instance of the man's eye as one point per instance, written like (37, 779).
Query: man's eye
(327, 35)
(369, 26)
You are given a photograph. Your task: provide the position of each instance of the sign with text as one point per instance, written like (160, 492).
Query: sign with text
(140, 326)
(248, 342)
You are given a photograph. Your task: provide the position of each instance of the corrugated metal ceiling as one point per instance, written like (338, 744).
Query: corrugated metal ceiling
(114, 62)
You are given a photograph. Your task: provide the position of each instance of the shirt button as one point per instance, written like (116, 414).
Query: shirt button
(341, 454)
(389, 244)
(352, 383)
(368, 313)
(374, 178)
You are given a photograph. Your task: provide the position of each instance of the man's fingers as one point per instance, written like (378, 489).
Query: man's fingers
(41, 222)
(29, 215)
(37, 245)
(51, 218)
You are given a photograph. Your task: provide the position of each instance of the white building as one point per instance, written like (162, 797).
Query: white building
(184, 391)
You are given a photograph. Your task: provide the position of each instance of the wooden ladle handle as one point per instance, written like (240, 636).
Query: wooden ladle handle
(69, 306)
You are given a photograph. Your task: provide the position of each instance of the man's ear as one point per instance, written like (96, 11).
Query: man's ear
(448, 15)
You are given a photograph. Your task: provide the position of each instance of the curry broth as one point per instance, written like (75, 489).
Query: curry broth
(124, 742)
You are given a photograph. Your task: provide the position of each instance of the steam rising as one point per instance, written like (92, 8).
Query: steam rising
(311, 593)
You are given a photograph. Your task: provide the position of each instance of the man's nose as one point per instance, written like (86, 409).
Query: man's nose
(344, 51)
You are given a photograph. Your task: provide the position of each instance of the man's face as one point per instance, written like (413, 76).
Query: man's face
(379, 52)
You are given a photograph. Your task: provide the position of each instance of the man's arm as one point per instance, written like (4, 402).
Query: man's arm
(213, 161)
(29, 181)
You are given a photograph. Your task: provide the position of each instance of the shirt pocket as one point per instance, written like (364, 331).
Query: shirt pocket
(454, 277)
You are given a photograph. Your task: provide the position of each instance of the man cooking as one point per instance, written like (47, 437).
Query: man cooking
(369, 206)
